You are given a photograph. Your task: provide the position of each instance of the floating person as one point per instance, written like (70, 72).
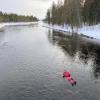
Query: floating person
(67, 76)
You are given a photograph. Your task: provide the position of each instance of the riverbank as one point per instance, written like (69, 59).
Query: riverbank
(90, 31)
(2, 25)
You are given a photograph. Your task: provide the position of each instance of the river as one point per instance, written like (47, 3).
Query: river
(33, 59)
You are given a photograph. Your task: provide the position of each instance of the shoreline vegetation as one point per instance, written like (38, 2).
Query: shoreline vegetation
(5, 17)
(74, 13)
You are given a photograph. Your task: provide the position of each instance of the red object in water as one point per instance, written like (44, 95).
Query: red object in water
(67, 75)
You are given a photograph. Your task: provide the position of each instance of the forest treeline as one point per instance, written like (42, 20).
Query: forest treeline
(74, 12)
(4, 17)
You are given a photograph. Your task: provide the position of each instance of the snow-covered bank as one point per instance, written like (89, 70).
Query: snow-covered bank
(90, 31)
(1, 27)
(16, 24)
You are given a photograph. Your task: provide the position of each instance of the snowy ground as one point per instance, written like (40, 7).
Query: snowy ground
(91, 31)
(15, 24)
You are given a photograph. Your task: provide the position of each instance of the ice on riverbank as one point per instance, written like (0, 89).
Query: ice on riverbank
(90, 31)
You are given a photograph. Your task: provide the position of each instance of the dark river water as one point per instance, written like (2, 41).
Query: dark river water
(33, 59)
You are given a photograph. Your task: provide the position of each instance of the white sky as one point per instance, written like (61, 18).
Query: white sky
(37, 8)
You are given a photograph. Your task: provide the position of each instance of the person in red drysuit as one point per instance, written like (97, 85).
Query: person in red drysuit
(67, 75)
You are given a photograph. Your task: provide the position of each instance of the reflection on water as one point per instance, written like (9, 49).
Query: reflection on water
(76, 44)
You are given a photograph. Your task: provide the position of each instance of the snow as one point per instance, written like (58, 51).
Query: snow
(58, 27)
(91, 31)
(19, 23)
(1, 26)
(16, 24)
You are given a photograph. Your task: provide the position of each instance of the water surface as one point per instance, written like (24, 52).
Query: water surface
(33, 59)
